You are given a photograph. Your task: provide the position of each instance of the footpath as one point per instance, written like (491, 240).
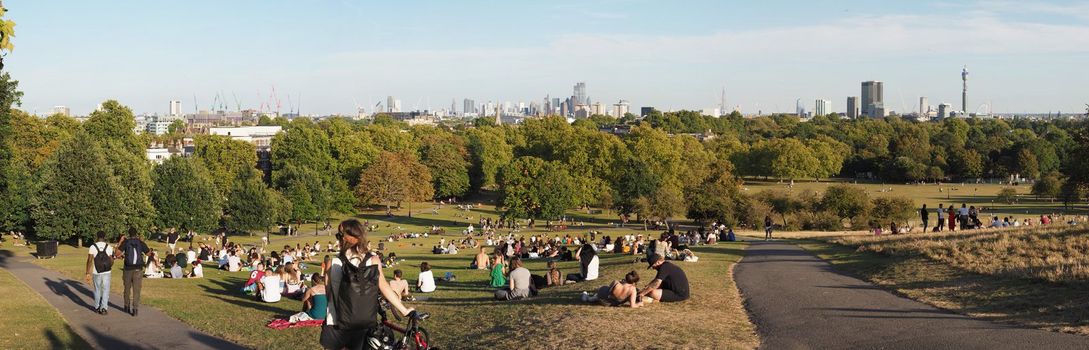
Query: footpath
(152, 329)
(797, 301)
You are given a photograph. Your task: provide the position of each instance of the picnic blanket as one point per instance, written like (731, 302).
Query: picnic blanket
(282, 324)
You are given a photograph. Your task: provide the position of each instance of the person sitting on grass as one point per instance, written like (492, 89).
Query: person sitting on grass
(669, 285)
(176, 270)
(269, 287)
(554, 277)
(197, 272)
(154, 268)
(425, 283)
(400, 286)
(255, 277)
(315, 302)
(451, 248)
(480, 262)
(588, 264)
(293, 283)
(618, 293)
(498, 274)
(519, 285)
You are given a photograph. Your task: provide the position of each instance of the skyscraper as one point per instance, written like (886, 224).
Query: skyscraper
(924, 108)
(873, 99)
(943, 110)
(823, 107)
(852, 107)
(175, 108)
(468, 106)
(580, 94)
(390, 104)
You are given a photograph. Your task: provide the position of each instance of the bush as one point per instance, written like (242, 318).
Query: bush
(1007, 195)
(820, 221)
(889, 209)
(847, 202)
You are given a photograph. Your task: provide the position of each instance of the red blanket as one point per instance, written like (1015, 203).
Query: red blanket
(281, 324)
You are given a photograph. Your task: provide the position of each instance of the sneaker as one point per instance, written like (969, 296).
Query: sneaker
(585, 297)
(134, 312)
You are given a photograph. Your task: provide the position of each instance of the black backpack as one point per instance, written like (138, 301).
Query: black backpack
(355, 299)
(103, 262)
(134, 254)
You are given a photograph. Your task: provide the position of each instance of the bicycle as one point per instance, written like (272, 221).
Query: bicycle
(413, 337)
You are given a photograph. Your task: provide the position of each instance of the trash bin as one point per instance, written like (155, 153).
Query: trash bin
(47, 249)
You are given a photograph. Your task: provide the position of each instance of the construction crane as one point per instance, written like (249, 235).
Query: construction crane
(237, 103)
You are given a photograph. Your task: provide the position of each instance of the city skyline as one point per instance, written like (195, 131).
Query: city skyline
(1025, 56)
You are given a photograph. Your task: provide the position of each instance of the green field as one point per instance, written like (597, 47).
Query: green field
(30, 322)
(979, 195)
(464, 316)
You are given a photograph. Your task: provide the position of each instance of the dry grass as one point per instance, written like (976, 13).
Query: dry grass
(1035, 278)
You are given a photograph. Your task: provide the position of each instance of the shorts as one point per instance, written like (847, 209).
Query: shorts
(335, 338)
(671, 296)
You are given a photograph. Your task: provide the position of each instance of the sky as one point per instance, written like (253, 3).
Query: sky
(325, 57)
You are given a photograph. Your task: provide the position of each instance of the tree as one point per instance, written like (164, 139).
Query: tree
(1048, 186)
(176, 127)
(967, 164)
(77, 194)
(530, 187)
(793, 160)
(252, 205)
(224, 158)
(716, 198)
(1027, 164)
(488, 152)
(10, 181)
(185, 195)
(893, 209)
(133, 174)
(847, 202)
(1007, 195)
(634, 181)
(830, 155)
(114, 122)
(781, 202)
(394, 178)
(446, 156)
(666, 202)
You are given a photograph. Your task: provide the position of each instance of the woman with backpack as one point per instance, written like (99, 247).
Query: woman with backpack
(354, 284)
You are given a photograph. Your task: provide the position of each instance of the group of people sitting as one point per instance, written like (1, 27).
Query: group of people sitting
(670, 284)
(174, 265)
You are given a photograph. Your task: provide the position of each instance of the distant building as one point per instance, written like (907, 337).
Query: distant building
(158, 155)
(468, 107)
(852, 107)
(645, 111)
(159, 126)
(260, 136)
(175, 108)
(944, 110)
(621, 108)
(62, 110)
(580, 94)
(597, 108)
(822, 107)
(924, 108)
(873, 99)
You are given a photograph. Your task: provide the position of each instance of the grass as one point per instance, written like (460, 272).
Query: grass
(464, 316)
(979, 195)
(1030, 277)
(30, 322)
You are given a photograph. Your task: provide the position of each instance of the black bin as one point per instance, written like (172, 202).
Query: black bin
(47, 249)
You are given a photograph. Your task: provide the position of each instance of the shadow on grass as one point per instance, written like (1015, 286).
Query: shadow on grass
(74, 340)
(231, 293)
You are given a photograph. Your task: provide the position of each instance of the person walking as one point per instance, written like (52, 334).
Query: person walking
(925, 216)
(99, 265)
(172, 240)
(133, 250)
(768, 226)
(941, 217)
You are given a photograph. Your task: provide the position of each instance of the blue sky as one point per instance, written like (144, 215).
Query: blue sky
(1022, 55)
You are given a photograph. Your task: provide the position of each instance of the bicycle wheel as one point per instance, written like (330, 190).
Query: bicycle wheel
(417, 340)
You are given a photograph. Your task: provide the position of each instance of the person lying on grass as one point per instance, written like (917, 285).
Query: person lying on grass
(617, 293)
(669, 285)
(519, 286)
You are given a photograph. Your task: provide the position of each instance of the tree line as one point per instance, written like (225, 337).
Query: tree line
(64, 179)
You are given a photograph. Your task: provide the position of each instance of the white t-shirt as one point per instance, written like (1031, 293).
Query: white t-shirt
(336, 270)
(176, 272)
(591, 269)
(198, 271)
(234, 263)
(93, 250)
(427, 281)
(270, 288)
(288, 258)
(190, 256)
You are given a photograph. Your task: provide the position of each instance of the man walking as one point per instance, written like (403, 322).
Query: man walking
(134, 250)
(925, 215)
(172, 239)
(941, 218)
(99, 264)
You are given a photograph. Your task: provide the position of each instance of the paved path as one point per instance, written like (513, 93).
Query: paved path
(152, 329)
(798, 302)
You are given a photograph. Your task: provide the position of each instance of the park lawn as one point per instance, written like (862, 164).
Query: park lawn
(30, 322)
(1030, 277)
(979, 195)
(464, 316)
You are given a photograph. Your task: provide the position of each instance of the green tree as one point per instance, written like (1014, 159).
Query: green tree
(252, 205)
(1027, 164)
(488, 152)
(394, 178)
(1048, 186)
(893, 209)
(77, 194)
(224, 158)
(185, 195)
(792, 160)
(114, 122)
(446, 156)
(530, 187)
(716, 198)
(847, 202)
(1007, 195)
(176, 127)
(133, 174)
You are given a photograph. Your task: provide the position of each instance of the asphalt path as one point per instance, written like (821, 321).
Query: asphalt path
(798, 301)
(152, 329)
